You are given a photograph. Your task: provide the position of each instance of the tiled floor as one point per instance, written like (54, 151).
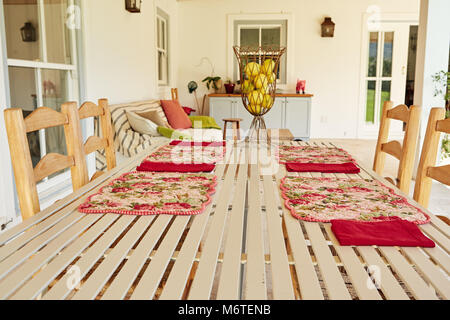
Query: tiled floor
(364, 150)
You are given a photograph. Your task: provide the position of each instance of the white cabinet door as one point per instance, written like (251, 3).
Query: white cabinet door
(221, 108)
(242, 113)
(298, 112)
(274, 118)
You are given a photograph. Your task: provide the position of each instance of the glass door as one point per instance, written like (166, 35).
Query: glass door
(42, 67)
(385, 73)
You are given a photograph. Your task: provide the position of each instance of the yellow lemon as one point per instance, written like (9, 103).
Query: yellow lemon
(252, 69)
(271, 78)
(255, 97)
(261, 81)
(247, 86)
(264, 89)
(267, 101)
(268, 66)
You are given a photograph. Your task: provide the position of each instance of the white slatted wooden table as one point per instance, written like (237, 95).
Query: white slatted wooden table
(245, 245)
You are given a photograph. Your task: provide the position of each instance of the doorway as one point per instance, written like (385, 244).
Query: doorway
(388, 71)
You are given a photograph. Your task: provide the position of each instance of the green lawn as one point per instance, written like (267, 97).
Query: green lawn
(370, 106)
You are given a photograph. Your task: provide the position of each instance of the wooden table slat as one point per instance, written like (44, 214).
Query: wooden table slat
(336, 288)
(203, 281)
(306, 274)
(354, 268)
(61, 290)
(255, 276)
(146, 288)
(281, 280)
(118, 289)
(36, 285)
(32, 247)
(387, 282)
(93, 285)
(230, 276)
(27, 269)
(408, 275)
(430, 272)
(177, 280)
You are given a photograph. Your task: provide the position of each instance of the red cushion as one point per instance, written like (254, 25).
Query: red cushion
(178, 119)
(188, 110)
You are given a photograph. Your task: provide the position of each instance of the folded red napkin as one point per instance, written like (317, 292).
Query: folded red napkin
(348, 167)
(172, 167)
(386, 231)
(198, 144)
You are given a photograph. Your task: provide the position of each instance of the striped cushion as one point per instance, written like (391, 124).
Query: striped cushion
(128, 142)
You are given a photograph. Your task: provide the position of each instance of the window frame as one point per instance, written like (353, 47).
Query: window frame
(162, 33)
(74, 84)
(290, 41)
(259, 27)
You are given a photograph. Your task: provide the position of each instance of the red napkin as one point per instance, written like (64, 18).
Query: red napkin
(348, 167)
(198, 144)
(386, 231)
(172, 167)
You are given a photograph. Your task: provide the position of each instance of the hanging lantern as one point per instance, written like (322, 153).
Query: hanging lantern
(328, 28)
(133, 5)
(28, 32)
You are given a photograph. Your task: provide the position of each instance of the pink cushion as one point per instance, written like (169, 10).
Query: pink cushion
(178, 119)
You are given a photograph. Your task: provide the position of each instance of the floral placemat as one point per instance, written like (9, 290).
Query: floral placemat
(187, 154)
(313, 154)
(151, 193)
(326, 199)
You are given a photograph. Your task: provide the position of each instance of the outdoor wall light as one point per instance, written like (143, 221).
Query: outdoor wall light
(133, 5)
(28, 32)
(328, 28)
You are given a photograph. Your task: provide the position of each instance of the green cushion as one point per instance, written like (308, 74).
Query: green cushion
(173, 134)
(205, 122)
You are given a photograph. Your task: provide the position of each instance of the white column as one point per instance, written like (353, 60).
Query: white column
(432, 55)
(7, 192)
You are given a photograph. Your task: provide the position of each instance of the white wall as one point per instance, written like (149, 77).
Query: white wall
(331, 66)
(120, 53)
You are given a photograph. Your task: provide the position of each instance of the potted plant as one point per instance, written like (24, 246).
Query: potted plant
(442, 88)
(213, 83)
(229, 86)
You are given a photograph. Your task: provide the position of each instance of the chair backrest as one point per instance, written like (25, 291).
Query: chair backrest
(93, 143)
(427, 170)
(404, 152)
(26, 177)
(175, 94)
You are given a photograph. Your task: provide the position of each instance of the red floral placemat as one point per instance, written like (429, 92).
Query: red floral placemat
(151, 193)
(313, 154)
(326, 199)
(187, 154)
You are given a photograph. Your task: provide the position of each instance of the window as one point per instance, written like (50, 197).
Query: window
(267, 33)
(379, 74)
(162, 47)
(43, 71)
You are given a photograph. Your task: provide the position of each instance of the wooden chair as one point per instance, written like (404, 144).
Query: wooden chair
(26, 176)
(93, 143)
(175, 94)
(427, 170)
(404, 152)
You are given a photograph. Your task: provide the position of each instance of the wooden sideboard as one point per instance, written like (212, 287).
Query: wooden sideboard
(290, 111)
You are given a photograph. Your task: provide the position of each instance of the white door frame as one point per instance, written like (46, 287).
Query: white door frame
(371, 22)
